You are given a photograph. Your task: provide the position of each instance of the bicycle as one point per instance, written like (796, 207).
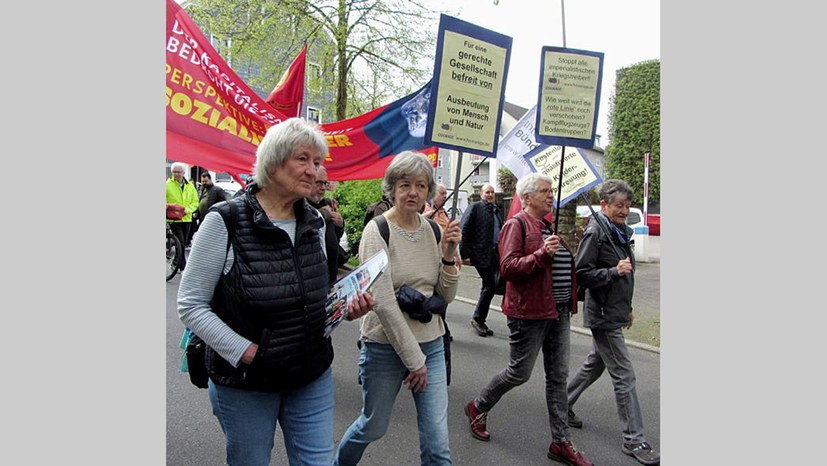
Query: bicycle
(175, 252)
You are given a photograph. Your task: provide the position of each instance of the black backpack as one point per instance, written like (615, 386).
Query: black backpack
(385, 233)
(370, 211)
(195, 351)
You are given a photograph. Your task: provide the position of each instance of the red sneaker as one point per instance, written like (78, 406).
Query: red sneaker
(565, 452)
(477, 420)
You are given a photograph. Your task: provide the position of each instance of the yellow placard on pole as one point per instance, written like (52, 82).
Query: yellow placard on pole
(569, 97)
(467, 91)
(578, 174)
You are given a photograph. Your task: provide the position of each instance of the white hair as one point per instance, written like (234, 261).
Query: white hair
(184, 168)
(528, 184)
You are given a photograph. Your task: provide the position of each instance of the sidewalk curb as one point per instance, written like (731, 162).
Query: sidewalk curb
(580, 330)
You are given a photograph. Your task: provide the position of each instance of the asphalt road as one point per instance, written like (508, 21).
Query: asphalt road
(518, 424)
(644, 333)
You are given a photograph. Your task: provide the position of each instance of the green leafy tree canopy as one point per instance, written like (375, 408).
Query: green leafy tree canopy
(354, 197)
(634, 129)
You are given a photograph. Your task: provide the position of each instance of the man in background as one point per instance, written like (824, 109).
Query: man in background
(481, 226)
(334, 223)
(181, 192)
(209, 195)
(435, 209)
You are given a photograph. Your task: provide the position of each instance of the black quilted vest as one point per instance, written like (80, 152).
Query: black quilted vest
(274, 295)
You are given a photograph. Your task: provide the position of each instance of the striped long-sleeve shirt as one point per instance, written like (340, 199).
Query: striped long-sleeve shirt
(562, 263)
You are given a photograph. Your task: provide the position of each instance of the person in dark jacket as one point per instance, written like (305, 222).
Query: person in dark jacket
(481, 226)
(255, 292)
(540, 296)
(610, 281)
(334, 223)
(209, 195)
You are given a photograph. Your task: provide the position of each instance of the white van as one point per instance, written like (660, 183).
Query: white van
(640, 234)
(634, 219)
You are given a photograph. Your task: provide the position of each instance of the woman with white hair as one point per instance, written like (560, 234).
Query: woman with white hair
(540, 297)
(255, 292)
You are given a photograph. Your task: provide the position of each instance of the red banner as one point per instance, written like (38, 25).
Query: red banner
(214, 120)
(288, 95)
(362, 147)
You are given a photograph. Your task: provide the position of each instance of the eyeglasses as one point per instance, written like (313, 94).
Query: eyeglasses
(322, 183)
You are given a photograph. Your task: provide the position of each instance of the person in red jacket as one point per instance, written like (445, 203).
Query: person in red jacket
(540, 296)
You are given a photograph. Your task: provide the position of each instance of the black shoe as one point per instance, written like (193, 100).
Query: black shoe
(480, 328)
(575, 421)
(642, 452)
(488, 331)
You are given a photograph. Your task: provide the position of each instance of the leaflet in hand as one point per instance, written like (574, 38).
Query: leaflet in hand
(345, 289)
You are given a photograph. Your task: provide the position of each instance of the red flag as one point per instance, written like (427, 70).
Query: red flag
(213, 119)
(288, 95)
(362, 147)
(517, 205)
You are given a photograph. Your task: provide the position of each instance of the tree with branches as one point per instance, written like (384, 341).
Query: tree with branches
(377, 50)
(382, 48)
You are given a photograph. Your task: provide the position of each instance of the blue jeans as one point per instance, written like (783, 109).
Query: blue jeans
(526, 339)
(609, 351)
(382, 372)
(248, 419)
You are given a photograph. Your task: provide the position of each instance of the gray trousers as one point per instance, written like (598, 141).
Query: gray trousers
(526, 339)
(609, 352)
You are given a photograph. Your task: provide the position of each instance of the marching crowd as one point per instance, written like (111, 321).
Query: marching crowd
(254, 285)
